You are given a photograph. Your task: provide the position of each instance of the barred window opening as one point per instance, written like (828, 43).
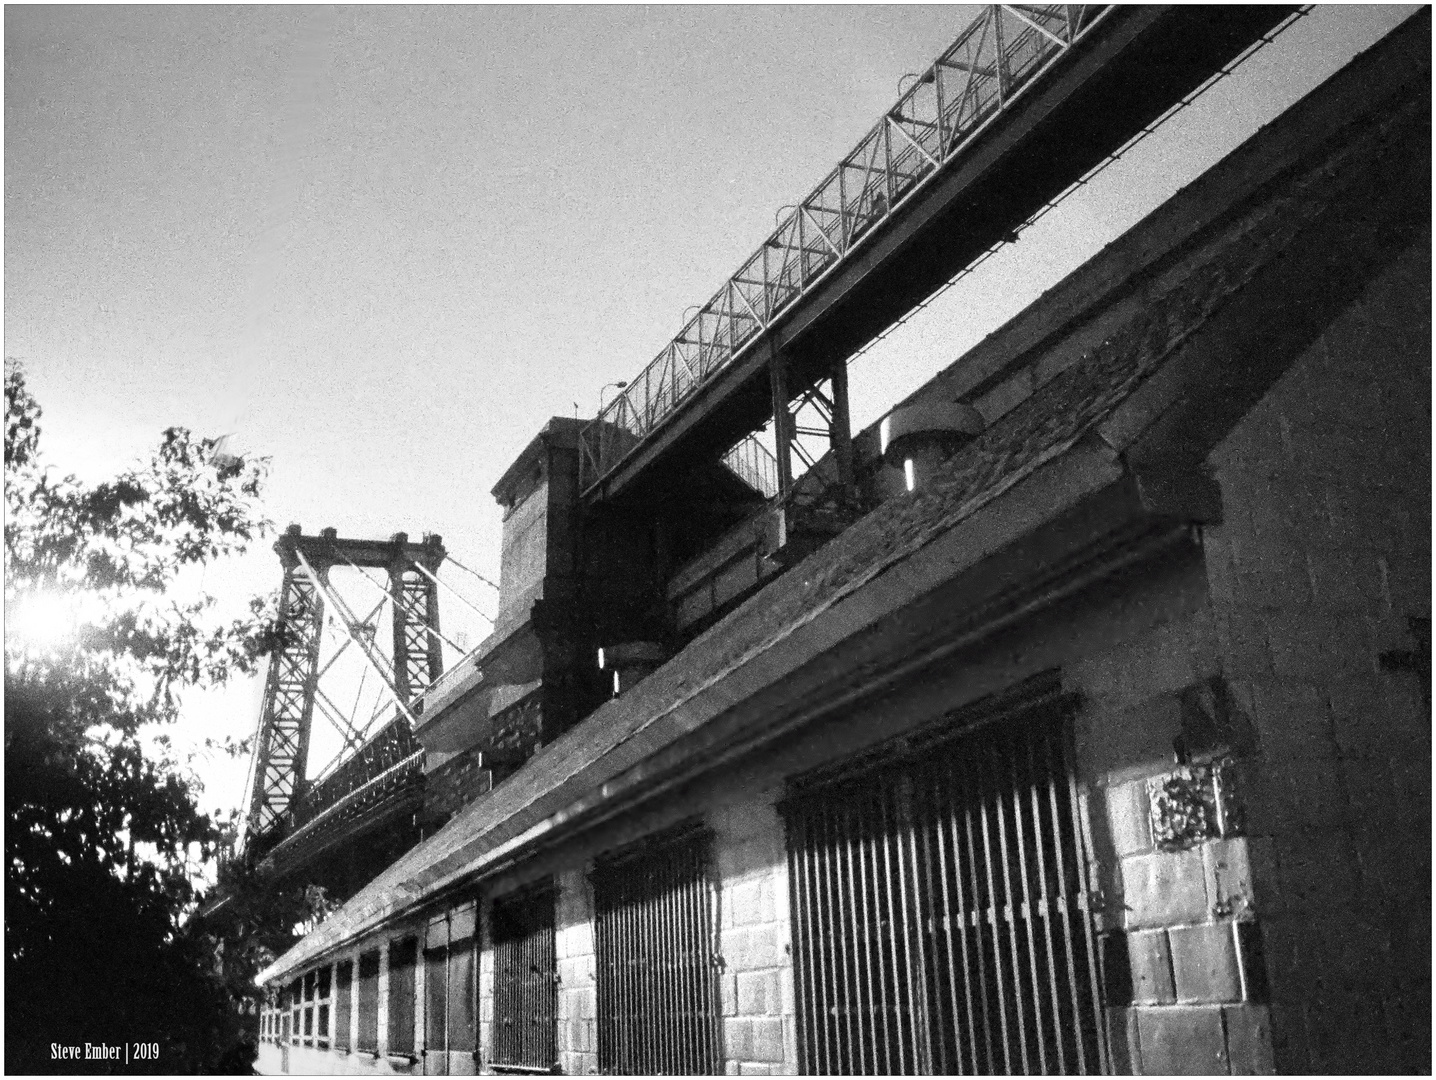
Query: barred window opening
(525, 980)
(344, 983)
(450, 1010)
(942, 916)
(403, 955)
(369, 1002)
(657, 974)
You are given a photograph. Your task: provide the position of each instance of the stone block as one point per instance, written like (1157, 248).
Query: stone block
(1346, 1033)
(1343, 580)
(1318, 872)
(1151, 965)
(1292, 719)
(786, 991)
(1299, 647)
(750, 901)
(1122, 1040)
(767, 1045)
(1251, 956)
(1360, 724)
(1241, 637)
(1127, 816)
(1405, 708)
(1204, 963)
(749, 948)
(573, 972)
(1229, 878)
(1116, 966)
(751, 1068)
(1295, 793)
(1179, 1040)
(1164, 889)
(758, 993)
(728, 992)
(1275, 577)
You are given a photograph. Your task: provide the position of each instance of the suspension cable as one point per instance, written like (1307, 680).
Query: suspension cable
(367, 650)
(346, 641)
(403, 607)
(457, 595)
(475, 573)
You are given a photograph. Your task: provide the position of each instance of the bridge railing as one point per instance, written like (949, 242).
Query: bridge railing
(391, 745)
(990, 64)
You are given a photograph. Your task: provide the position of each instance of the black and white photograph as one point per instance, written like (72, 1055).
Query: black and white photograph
(717, 539)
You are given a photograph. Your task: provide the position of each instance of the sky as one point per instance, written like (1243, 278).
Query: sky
(383, 245)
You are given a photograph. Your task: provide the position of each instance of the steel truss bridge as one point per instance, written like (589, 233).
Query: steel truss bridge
(1021, 108)
(378, 767)
(1026, 102)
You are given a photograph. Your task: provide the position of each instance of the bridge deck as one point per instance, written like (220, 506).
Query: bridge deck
(1024, 104)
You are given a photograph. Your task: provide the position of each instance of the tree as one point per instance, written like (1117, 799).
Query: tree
(103, 837)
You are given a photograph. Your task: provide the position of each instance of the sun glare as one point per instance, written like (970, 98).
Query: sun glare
(43, 621)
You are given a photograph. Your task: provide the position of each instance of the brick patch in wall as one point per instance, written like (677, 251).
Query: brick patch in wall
(1195, 803)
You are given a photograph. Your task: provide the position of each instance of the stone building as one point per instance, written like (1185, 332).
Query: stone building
(1106, 748)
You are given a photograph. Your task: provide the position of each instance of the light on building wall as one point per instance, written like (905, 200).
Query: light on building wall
(924, 434)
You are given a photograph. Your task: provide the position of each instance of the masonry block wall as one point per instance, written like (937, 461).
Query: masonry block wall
(488, 960)
(456, 783)
(1181, 957)
(578, 974)
(756, 983)
(1321, 562)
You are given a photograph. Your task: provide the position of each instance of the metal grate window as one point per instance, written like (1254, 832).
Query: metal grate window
(344, 998)
(451, 1027)
(657, 964)
(403, 956)
(525, 980)
(941, 907)
(296, 994)
(369, 1002)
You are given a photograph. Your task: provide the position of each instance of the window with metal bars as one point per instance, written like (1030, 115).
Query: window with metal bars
(343, 1002)
(941, 905)
(403, 956)
(525, 980)
(296, 994)
(369, 1001)
(657, 964)
(450, 987)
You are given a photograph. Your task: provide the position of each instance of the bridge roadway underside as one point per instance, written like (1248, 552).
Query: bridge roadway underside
(1136, 64)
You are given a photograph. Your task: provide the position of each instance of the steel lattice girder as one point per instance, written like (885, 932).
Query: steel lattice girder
(1023, 104)
(282, 746)
(985, 68)
(292, 689)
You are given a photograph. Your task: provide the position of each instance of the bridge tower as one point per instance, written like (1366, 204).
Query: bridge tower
(282, 747)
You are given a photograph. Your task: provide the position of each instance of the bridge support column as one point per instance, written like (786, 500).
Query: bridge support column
(840, 430)
(783, 426)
